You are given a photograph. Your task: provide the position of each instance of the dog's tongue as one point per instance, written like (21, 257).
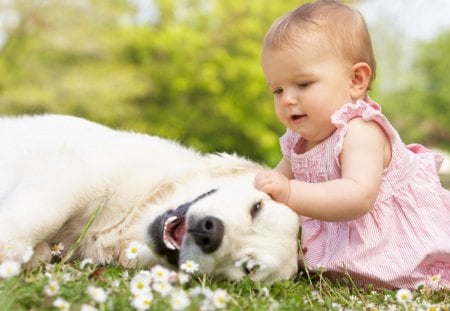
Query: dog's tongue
(179, 233)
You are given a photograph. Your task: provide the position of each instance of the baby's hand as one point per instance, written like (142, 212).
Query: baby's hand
(275, 184)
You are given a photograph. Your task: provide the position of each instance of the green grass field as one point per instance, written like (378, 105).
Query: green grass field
(72, 287)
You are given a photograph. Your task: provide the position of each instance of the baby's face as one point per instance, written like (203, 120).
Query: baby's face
(309, 82)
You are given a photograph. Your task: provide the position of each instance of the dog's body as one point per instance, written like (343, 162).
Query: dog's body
(56, 171)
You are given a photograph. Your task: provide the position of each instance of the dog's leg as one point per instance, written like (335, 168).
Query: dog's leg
(39, 195)
(42, 253)
(29, 217)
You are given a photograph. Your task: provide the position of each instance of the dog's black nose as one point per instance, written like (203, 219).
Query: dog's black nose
(208, 233)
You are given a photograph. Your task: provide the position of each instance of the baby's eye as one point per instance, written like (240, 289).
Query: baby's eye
(304, 84)
(277, 91)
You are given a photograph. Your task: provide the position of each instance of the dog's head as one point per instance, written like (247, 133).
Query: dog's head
(231, 231)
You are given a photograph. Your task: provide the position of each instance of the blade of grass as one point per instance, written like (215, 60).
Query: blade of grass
(83, 233)
(305, 266)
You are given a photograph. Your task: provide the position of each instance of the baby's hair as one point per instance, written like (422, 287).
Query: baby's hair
(341, 25)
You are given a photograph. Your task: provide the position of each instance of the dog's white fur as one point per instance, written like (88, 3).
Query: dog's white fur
(55, 171)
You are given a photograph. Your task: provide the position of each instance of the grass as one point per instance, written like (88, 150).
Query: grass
(86, 287)
(30, 291)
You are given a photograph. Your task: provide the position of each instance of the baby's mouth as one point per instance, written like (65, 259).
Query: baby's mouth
(296, 117)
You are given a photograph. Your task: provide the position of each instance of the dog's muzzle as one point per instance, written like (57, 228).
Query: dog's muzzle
(168, 231)
(208, 233)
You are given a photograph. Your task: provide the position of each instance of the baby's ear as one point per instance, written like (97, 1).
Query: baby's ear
(360, 79)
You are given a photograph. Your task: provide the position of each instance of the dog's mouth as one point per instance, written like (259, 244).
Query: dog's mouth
(168, 231)
(174, 231)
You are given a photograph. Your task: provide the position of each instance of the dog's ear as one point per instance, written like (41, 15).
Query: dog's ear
(222, 164)
(163, 190)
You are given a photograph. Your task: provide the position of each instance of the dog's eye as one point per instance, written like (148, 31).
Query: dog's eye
(255, 209)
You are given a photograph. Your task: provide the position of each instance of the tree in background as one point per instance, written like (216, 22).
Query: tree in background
(421, 108)
(188, 70)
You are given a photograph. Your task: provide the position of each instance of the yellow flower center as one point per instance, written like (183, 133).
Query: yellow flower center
(147, 302)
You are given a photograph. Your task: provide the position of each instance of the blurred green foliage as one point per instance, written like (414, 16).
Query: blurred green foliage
(421, 109)
(190, 72)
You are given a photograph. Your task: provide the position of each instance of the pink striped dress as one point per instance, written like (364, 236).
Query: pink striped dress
(404, 240)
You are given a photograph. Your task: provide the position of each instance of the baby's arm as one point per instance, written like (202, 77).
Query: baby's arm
(365, 153)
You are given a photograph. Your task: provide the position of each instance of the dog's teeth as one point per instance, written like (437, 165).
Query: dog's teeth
(168, 244)
(171, 219)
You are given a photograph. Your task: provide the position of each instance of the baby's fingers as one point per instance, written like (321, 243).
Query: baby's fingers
(262, 179)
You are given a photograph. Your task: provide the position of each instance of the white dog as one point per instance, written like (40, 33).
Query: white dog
(57, 171)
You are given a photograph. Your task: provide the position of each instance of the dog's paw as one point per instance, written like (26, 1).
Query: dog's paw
(42, 253)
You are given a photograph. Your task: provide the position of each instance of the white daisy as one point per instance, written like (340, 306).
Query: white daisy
(265, 292)
(115, 283)
(435, 281)
(160, 274)
(125, 275)
(144, 274)
(183, 278)
(199, 291)
(85, 307)
(140, 284)
(403, 295)
(67, 277)
(142, 301)
(133, 250)
(48, 275)
(320, 267)
(57, 249)
(189, 266)
(220, 298)
(9, 268)
(98, 294)
(61, 304)
(52, 288)
(179, 300)
(163, 288)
